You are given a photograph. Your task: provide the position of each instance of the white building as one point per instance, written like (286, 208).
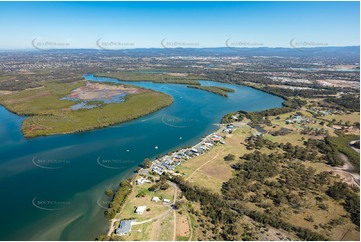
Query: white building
(141, 181)
(155, 199)
(140, 210)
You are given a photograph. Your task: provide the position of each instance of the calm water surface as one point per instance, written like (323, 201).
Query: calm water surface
(52, 188)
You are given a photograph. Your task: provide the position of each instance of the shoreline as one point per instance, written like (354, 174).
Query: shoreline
(155, 161)
(199, 84)
(94, 128)
(25, 117)
(101, 75)
(27, 136)
(220, 130)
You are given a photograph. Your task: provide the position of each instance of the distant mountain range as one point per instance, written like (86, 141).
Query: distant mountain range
(347, 51)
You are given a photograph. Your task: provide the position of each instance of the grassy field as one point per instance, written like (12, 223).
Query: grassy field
(159, 229)
(165, 232)
(190, 79)
(156, 208)
(352, 118)
(49, 115)
(139, 232)
(3, 78)
(207, 170)
(210, 171)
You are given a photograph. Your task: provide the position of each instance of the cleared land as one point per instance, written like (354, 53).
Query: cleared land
(352, 118)
(211, 171)
(157, 222)
(310, 209)
(135, 199)
(97, 91)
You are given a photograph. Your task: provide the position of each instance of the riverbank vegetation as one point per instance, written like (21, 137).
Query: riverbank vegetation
(187, 79)
(48, 114)
(278, 175)
(289, 105)
(223, 91)
(119, 198)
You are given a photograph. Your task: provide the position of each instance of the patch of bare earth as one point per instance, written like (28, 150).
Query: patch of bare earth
(339, 83)
(178, 74)
(222, 171)
(182, 226)
(93, 91)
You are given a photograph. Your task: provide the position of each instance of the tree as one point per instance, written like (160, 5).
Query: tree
(229, 157)
(338, 191)
(109, 192)
(177, 205)
(163, 185)
(147, 163)
(352, 205)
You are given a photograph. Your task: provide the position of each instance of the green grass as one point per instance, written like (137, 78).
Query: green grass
(4, 78)
(156, 208)
(143, 235)
(182, 238)
(153, 77)
(41, 101)
(192, 223)
(223, 91)
(49, 115)
(167, 228)
(352, 118)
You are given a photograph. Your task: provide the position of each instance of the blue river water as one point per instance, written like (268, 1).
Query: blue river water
(52, 188)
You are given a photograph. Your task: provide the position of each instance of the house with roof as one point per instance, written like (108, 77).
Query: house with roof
(140, 210)
(124, 228)
(155, 199)
(141, 181)
(166, 200)
(159, 170)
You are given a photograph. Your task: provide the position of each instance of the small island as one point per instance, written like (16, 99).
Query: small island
(223, 91)
(61, 108)
(144, 75)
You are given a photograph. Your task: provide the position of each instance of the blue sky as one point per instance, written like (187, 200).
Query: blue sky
(196, 24)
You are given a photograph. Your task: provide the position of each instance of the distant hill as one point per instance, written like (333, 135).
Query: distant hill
(347, 51)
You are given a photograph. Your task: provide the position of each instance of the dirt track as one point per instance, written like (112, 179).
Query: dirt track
(347, 172)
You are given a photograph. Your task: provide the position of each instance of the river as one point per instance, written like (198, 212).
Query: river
(52, 188)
